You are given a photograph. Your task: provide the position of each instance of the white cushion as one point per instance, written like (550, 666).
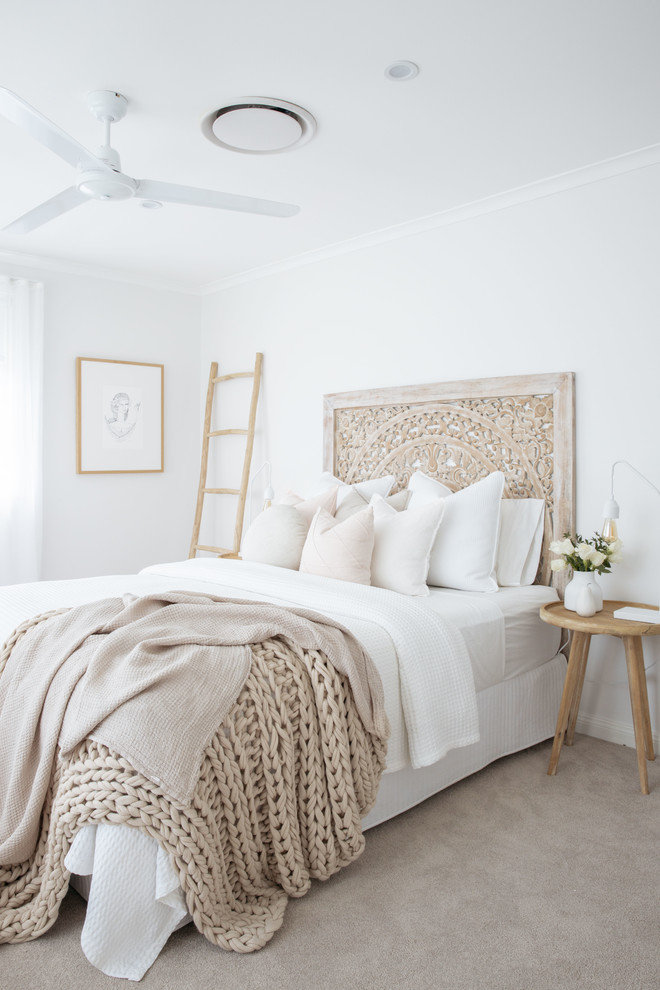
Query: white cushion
(374, 486)
(307, 506)
(276, 536)
(402, 545)
(354, 502)
(340, 550)
(424, 490)
(464, 551)
(520, 541)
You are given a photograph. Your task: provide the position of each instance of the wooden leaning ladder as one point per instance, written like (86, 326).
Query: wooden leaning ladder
(215, 379)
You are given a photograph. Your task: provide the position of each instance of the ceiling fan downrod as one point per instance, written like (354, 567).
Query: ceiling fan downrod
(108, 107)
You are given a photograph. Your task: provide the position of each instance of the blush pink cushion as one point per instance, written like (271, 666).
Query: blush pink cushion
(340, 550)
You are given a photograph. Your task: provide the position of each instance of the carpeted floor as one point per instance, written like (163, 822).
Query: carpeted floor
(510, 880)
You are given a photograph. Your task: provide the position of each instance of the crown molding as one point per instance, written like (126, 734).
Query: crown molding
(18, 259)
(552, 186)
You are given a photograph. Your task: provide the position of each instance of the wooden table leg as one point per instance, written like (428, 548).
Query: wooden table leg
(570, 699)
(648, 734)
(575, 706)
(640, 706)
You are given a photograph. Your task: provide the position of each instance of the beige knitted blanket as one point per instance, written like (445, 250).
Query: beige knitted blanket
(283, 783)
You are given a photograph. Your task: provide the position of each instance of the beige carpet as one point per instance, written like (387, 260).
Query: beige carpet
(511, 880)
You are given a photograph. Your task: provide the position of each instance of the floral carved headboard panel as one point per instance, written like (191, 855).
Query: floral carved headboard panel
(458, 432)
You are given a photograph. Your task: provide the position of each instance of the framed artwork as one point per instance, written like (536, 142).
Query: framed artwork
(119, 414)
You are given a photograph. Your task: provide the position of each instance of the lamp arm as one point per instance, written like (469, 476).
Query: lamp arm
(611, 512)
(639, 475)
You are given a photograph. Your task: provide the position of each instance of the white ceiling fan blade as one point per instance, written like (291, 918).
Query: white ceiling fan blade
(189, 196)
(62, 203)
(45, 131)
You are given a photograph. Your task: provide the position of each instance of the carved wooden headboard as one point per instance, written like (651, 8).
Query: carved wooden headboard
(459, 432)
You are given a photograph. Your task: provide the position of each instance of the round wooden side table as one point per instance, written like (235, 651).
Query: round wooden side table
(582, 629)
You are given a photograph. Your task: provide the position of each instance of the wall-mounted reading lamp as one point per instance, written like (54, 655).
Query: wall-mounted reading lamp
(610, 533)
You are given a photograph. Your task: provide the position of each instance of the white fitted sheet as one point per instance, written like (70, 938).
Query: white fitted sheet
(502, 631)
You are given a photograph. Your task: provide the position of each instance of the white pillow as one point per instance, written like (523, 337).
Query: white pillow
(307, 506)
(277, 537)
(424, 490)
(374, 486)
(402, 545)
(340, 550)
(520, 541)
(464, 551)
(354, 502)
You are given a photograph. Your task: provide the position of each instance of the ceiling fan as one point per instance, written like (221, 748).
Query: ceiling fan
(100, 177)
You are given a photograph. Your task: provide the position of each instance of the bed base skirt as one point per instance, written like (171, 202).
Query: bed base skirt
(513, 715)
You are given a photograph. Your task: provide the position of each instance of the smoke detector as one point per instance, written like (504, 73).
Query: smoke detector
(256, 125)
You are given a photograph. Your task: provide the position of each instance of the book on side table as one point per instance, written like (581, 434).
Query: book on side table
(637, 614)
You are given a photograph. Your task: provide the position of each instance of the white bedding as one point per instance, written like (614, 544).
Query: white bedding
(426, 674)
(421, 657)
(523, 642)
(431, 653)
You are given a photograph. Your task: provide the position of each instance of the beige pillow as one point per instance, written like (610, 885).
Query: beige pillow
(374, 486)
(276, 537)
(340, 550)
(307, 506)
(355, 501)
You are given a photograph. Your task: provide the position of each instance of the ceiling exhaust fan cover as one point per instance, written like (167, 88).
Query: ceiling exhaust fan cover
(259, 125)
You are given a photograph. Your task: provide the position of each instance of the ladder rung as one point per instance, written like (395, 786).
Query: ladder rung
(222, 491)
(226, 433)
(221, 551)
(237, 374)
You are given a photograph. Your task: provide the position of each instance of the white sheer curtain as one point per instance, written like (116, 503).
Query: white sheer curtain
(21, 389)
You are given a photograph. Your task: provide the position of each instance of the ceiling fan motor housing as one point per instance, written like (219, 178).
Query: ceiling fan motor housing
(103, 183)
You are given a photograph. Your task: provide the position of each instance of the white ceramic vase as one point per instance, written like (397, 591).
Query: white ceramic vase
(583, 593)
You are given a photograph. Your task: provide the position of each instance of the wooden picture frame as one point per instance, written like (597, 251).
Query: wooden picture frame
(119, 416)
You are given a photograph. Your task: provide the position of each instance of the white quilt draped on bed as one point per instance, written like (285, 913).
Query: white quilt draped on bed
(435, 676)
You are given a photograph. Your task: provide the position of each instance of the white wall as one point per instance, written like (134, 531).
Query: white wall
(564, 283)
(116, 523)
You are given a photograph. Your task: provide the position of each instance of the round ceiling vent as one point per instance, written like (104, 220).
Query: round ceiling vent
(401, 71)
(259, 126)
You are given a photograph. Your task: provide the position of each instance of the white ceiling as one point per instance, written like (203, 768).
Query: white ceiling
(509, 92)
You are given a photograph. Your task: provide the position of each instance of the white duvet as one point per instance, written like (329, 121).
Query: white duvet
(420, 654)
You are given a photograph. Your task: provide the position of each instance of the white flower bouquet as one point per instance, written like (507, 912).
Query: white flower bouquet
(585, 555)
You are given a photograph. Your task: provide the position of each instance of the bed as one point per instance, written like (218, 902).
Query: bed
(505, 668)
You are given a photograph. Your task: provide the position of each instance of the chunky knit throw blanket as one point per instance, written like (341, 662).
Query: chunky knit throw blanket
(283, 786)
